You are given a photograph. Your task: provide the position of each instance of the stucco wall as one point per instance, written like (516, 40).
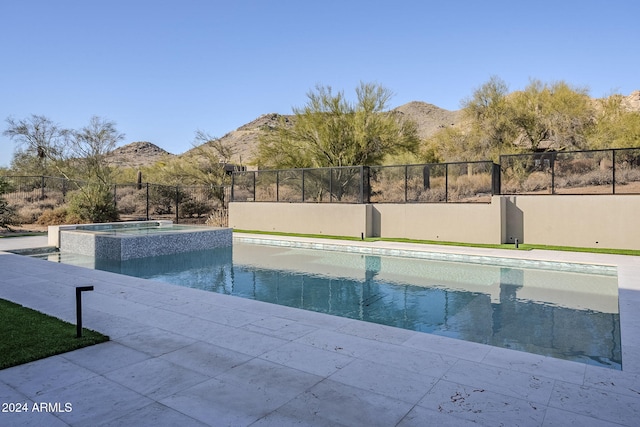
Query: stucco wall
(305, 218)
(447, 222)
(581, 221)
(605, 221)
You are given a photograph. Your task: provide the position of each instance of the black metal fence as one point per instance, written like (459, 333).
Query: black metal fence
(615, 171)
(32, 195)
(441, 182)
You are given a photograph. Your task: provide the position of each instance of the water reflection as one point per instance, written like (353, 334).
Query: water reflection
(564, 315)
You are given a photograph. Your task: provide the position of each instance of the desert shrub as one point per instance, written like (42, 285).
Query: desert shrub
(195, 208)
(219, 218)
(93, 203)
(470, 186)
(7, 213)
(626, 175)
(537, 181)
(131, 200)
(575, 166)
(592, 178)
(28, 214)
(58, 216)
(266, 193)
(162, 199)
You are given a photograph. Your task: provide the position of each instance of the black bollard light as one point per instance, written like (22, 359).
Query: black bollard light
(80, 289)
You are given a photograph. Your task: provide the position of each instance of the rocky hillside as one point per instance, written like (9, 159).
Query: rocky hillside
(632, 102)
(428, 117)
(137, 154)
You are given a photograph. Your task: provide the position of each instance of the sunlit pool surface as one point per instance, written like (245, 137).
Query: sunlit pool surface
(563, 314)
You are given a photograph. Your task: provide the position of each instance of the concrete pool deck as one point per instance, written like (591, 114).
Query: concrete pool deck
(181, 356)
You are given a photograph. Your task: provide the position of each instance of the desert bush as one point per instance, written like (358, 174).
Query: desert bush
(626, 175)
(592, 178)
(469, 186)
(93, 203)
(195, 208)
(130, 200)
(58, 216)
(8, 215)
(29, 214)
(575, 166)
(162, 199)
(219, 218)
(537, 181)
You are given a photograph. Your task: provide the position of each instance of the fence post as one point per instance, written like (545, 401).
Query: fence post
(330, 185)
(177, 202)
(446, 182)
(613, 171)
(277, 186)
(406, 182)
(302, 185)
(147, 201)
(115, 200)
(365, 195)
(254, 185)
(42, 187)
(233, 182)
(553, 173)
(496, 170)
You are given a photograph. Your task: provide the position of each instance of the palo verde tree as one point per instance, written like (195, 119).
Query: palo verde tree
(40, 144)
(331, 131)
(558, 114)
(77, 155)
(543, 116)
(616, 126)
(87, 149)
(490, 131)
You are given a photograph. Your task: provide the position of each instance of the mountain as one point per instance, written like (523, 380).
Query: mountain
(429, 118)
(141, 153)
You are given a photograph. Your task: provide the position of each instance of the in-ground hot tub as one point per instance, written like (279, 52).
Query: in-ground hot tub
(136, 239)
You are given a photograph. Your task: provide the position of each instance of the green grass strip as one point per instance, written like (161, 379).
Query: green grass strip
(522, 246)
(29, 335)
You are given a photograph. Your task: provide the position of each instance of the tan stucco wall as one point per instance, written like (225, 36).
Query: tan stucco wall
(305, 218)
(447, 222)
(583, 221)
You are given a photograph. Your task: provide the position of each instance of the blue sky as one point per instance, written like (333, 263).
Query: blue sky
(163, 69)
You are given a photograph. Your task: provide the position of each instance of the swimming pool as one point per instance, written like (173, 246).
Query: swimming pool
(568, 312)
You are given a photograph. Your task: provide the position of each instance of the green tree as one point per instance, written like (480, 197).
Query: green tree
(88, 147)
(557, 113)
(40, 144)
(616, 127)
(490, 113)
(490, 131)
(331, 131)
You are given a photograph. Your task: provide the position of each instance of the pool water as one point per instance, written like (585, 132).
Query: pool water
(563, 314)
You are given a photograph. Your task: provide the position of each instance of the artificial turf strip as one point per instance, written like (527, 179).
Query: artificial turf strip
(522, 246)
(27, 335)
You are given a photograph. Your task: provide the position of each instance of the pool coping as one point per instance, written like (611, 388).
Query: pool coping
(135, 311)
